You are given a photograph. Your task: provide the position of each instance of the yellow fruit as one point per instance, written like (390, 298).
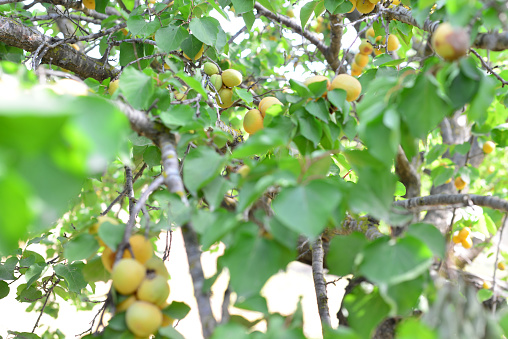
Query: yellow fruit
(231, 78)
(90, 4)
(351, 85)
(252, 121)
(290, 13)
(464, 233)
(127, 275)
(210, 68)
(153, 289)
(354, 6)
(198, 55)
(395, 2)
(156, 265)
(364, 6)
(450, 42)
(501, 266)
(124, 305)
(456, 239)
(460, 184)
(487, 285)
(393, 43)
(141, 248)
(488, 147)
(370, 33)
(448, 181)
(167, 321)
(379, 51)
(216, 81)
(108, 258)
(361, 60)
(374, 1)
(356, 72)
(356, 68)
(113, 86)
(143, 318)
(467, 243)
(317, 78)
(75, 46)
(266, 103)
(366, 48)
(100, 220)
(226, 96)
(180, 93)
(243, 171)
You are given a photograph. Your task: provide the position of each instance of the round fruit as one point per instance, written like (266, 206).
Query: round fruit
(467, 243)
(243, 171)
(290, 13)
(226, 97)
(252, 121)
(366, 48)
(351, 85)
(488, 147)
(456, 239)
(266, 103)
(154, 289)
(317, 78)
(364, 6)
(231, 78)
(370, 33)
(156, 265)
(361, 59)
(501, 266)
(356, 72)
(464, 233)
(393, 43)
(108, 258)
(379, 51)
(90, 4)
(198, 55)
(210, 68)
(354, 6)
(141, 248)
(356, 68)
(127, 275)
(450, 42)
(216, 81)
(487, 285)
(124, 305)
(460, 184)
(143, 319)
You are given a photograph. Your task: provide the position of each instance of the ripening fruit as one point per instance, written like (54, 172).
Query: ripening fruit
(317, 78)
(153, 289)
(290, 13)
(346, 82)
(113, 86)
(143, 318)
(124, 305)
(198, 55)
(210, 68)
(366, 48)
(364, 6)
(460, 184)
(487, 285)
(488, 147)
(156, 265)
(450, 42)
(127, 275)
(379, 51)
(252, 121)
(216, 81)
(266, 103)
(354, 6)
(393, 43)
(226, 97)
(244, 171)
(356, 72)
(108, 258)
(374, 1)
(356, 68)
(370, 33)
(90, 4)
(467, 243)
(464, 233)
(456, 239)
(141, 248)
(166, 320)
(501, 266)
(180, 93)
(361, 60)
(231, 78)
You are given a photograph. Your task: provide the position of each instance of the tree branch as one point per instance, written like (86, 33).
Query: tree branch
(335, 40)
(454, 199)
(319, 282)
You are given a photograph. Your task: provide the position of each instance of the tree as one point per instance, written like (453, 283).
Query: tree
(362, 184)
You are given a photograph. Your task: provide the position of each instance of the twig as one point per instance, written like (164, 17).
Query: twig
(48, 294)
(319, 282)
(494, 297)
(488, 68)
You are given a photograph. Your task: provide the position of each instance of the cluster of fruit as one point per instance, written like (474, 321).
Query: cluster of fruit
(346, 82)
(253, 119)
(223, 83)
(140, 279)
(463, 237)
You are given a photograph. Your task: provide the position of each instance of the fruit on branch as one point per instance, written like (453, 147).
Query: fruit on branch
(356, 70)
(370, 33)
(450, 42)
(124, 305)
(156, 265)
(467, 243)
(143, 318)
(198, 55)
(361, 60)
(141, 248)
(226, 97)
(379, 51)
(266, 103)
(364, 6)
(290, 13)
(90, 4)
(216, 81)
(354, 6)
(501, 266)
(166, 320)
(127, 275)
(253, 121)
(393, 43)
(75, 46)
(210, 68)
(464, 233)
(231, 78)
(243, 171)
(113, 86)
(100, 220)
(317, 78)
(346, 82)
(456, 239)
(488, 147)
(366, 48)
(153, 289)
(460, 184)
(487, 285)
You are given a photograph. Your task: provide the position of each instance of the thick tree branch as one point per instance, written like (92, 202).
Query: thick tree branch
(319, 282)
(335, 40)
(407, 174)
(13, 33)
(456, 200)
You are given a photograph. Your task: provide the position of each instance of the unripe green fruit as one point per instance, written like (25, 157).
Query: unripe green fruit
(156, 265)
(216, 81)
(231, 78)
(154, 289)
(210, 68)
(127, 275)
(143, 318)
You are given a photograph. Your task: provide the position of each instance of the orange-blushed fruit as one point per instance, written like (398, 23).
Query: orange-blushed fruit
(266, 103)
(366, 48)
(456, 239)
(460, 184)
(450, 42)
(501, 266)
(348, 83)
(464, 233)
(361, 59)
(467, 243)
(488, 147)
(253, 121)
(364, 6)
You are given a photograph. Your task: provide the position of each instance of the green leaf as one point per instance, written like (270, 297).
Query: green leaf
(7, 268)
(343, 252)
(484, 294)
(306, 209)
(310, 128)
(392, 261)
(170, 37)
(413, 328)
(178, 115)
(477, 111)
(215, 190)
(223, 224)
(499, 135)
(111, 234)
(318, 109)
(331, 5)
(200, 167)
(4, 289)
(176, 310)
(230, 330)
(243, 6)
(431, 236)
(244, 94)
(139, 26)
(341, 332)
(213, 3)
(128, 54)
(441, 174)
(193, 83)
(306, 12)
(205, 29)
(72, 274)
(300, 89)
(152, 156)
(170, 332)
(259, 143)
(137, 88)
(81, 247)
(34, 272)
(338, 98)
(94, 270)
(191, 46)
(404, 296)
(249, 18)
